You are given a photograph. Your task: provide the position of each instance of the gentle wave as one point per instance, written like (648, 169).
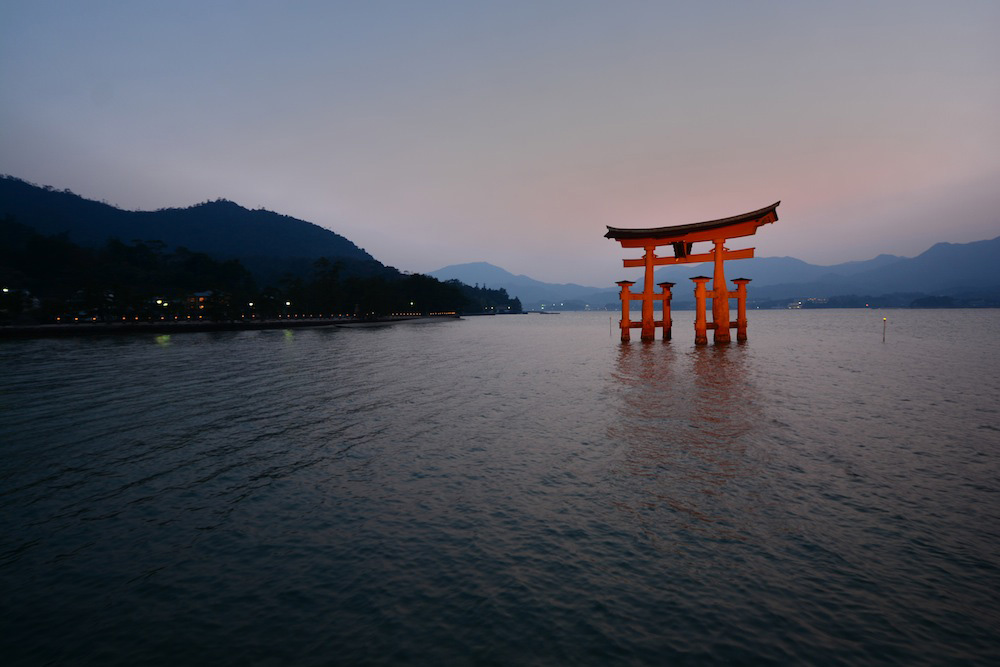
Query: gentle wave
(506, 490)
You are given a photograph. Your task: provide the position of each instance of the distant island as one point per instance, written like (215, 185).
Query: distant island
(69, 259)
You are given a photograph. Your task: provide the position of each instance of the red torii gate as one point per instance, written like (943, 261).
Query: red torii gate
(682, 238)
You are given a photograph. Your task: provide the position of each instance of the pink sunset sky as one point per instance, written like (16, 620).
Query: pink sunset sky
(434, 133)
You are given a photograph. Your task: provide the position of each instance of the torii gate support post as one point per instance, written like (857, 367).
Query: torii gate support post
(648, 324)
(626, 298)
(720, 296)
(700, 318)
(741, 309)
(667, 322)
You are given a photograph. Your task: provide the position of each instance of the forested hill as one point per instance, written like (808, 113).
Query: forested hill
(219, 228)
(64, 257)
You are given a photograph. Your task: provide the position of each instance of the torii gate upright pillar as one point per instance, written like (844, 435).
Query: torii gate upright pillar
(626, 297)
(666, 322)
(720, 296)
(648, 323)
(741, 308)
(700, 318)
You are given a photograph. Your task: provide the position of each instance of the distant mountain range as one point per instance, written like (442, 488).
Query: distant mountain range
(271, 244)
(959, 271)
(528, 290)
(967, 270)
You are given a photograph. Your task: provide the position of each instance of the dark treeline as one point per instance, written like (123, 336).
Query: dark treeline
(49, 278)
(330, 288)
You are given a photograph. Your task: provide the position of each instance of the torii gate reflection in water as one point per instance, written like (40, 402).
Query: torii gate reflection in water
(682, 238)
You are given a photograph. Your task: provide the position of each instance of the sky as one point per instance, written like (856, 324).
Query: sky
(436, 132)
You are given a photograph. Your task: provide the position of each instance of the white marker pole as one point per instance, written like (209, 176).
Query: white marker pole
(883, 329)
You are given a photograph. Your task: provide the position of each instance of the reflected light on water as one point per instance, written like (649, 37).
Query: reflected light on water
(685, 417)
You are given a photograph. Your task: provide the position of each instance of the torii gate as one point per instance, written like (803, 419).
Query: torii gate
(683, 238)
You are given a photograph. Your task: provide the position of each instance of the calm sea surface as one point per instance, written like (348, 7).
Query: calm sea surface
(506, 490)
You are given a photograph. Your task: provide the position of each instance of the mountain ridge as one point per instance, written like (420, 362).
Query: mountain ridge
(220, 228)
(944, 269)
(535, 291)
(273, 245)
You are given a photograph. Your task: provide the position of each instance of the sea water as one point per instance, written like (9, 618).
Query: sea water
(506, 490)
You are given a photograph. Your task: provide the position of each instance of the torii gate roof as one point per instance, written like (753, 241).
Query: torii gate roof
(744, 224)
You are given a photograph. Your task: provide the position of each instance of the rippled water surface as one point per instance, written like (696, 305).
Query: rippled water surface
(506, 490)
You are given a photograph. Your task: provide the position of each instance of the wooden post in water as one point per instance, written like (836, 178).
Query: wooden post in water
(741, 309)
(626, 298)
(700, 316)
(648, 324)
(720, 296)
(666, 322)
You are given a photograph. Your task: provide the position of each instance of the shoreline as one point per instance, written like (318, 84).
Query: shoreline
(15, 331)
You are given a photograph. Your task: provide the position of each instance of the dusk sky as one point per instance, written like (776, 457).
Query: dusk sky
(434, 133)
